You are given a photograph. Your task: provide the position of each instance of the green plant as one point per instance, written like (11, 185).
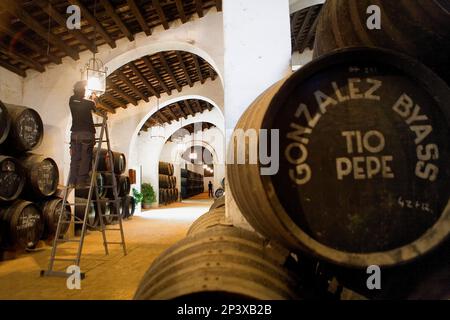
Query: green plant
(137, 196)
(148, 194)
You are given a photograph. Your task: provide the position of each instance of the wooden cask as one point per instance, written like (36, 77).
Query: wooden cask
(12, 178)
(363, 172)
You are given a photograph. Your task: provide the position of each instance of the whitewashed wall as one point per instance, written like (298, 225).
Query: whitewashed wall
(11, 87)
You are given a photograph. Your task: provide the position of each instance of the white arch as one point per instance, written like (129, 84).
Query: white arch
(172, 129)
(158, 46)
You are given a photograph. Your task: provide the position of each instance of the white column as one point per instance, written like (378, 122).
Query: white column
(257, 46)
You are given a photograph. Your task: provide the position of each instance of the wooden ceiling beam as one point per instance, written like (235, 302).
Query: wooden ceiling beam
(140, 19)
(143, 80)
(212, 73)
(208, 106)
(163, 118)
(111, 11)
(169, 71)
(197, 105)
(199, 8)
(219, 5)
(131, 85)
(305, 24)
(188, 106)
(155, 73)
(197, 67)
(121, 93)
(180, 10)
(105, 107)
(311, 34)
(160, 12)
(27, 42)
(14, 9)
(114, 100)
(94, 22)
(21, 58)
(172, 114)
(62, 21)
(183, 114)
(13, 69)
(183, 66)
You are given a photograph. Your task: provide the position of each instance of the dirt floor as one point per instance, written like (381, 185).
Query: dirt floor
(107, 277)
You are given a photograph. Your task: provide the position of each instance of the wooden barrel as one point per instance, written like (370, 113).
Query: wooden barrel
(117, 209)
(108, 182)
(222, 183)
(164, 181)
(106, 211)
(84, 193)
(212, 218)
(166, 168)
(5, 122)
(219, 202)
(12, 178)
(222, 262)
(129, 206)
(26, 130)
(51, 210)
(124, 185)
(42, 175)
(119, 161)
(92, 218)
(21, 224)
(363, 175)
(219, 193)
(417, 28)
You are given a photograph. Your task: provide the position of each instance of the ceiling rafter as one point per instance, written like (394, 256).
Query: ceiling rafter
(169, 71)
(121, 93)
(22, 58)
(180, 8)
(131, 85)
(161, 14)
(112, 13)
(143, 80)
(197, 67)
(152, 69)
(137, 13)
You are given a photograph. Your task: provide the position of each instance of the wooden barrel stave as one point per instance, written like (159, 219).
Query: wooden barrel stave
(5, 122)
(210, 219)
(51, 210)
(221, 260)
(12, 178)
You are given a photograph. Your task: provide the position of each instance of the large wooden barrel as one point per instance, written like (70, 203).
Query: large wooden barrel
(84, 193)
(92, 218)
(26, 130)
(163, 196)
(21, 224)
(12, 178)
(51, 210)
(212, 218)
(124, 185)
(219, 202)
(42, 175)
(164, 181)
(117, 209)
(419, 28)
(363, 173)
(222, 262)
(119, 161)
(5, 122)
(108, 182)
(166, 168)
(105, 207)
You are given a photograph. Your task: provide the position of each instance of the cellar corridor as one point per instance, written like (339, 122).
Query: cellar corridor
(107, 277)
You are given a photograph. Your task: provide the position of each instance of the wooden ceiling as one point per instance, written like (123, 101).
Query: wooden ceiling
(190, 129)
(153, 75)
(303, 28)
(33, 33)
(176, 111)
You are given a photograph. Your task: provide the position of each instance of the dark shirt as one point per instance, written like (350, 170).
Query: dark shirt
(210, 186)
(81, 110)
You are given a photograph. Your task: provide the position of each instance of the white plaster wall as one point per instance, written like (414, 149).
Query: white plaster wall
(49, 92)
(257, 54)
(11, 87)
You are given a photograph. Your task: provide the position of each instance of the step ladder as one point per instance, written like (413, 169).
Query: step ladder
(103, 138)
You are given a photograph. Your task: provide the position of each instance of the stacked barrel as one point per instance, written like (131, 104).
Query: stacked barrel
(168, 191)
(105, 194)
(364, 167)
(29, 210)
(219, 261)
(192, 183)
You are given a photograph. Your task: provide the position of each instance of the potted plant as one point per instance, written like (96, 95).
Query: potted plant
(148, 196)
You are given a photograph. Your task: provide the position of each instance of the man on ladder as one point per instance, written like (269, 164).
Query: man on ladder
(82, 139)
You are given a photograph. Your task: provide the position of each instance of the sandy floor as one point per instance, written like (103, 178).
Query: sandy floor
(107, 277)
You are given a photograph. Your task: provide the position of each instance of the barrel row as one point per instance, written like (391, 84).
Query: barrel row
(219, 261)
(168, 195)
(192, 183)
(107, 159)
(104, 186)
(166, 168)
(166, 181)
